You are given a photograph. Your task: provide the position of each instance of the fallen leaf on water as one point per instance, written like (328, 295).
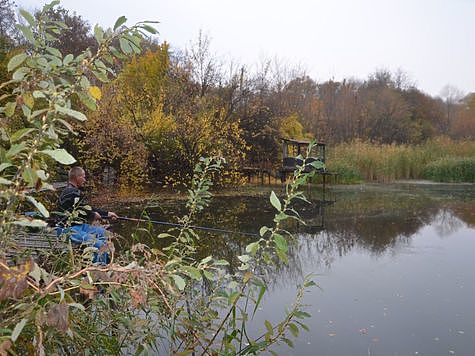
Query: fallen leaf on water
(332, 334)
(375, 339)
(436, 339)
(461, 332)
(363, 331)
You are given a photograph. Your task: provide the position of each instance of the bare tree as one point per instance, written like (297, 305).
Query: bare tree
(204, 64)
(451, 97)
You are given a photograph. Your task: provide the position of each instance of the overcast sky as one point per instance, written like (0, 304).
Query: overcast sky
(432, 40)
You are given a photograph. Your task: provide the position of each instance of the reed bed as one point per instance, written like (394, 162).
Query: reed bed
(440, 159)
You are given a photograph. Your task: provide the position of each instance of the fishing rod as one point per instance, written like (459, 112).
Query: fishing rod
(205, 228)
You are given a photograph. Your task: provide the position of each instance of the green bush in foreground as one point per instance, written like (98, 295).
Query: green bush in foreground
(147, 300)
(451, 169)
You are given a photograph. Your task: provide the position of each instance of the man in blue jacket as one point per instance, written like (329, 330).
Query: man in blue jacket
(80, 232)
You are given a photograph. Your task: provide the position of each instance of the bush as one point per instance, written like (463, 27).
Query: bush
(386, 163)
(347, 173)
(450, 169)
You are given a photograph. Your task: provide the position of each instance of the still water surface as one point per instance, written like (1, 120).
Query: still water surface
(395, 263)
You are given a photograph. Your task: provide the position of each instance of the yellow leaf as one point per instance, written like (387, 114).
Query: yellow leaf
(95, 92)
(28, 100)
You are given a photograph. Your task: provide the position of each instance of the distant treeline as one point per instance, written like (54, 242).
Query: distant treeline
(169, 107)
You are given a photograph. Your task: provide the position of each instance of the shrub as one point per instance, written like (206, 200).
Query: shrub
(451, 169)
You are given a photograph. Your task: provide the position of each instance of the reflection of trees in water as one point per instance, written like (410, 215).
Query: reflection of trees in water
(378, 222)
(446, 222)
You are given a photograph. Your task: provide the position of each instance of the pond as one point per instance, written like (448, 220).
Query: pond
(395, 266)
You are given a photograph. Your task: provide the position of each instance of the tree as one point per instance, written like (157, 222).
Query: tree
(111, 148)
(451, 97)
(76, 37)
(8, 31)
(203, 65)
(463, 126)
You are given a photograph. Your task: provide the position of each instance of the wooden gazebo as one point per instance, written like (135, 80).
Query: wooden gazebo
(292, 148)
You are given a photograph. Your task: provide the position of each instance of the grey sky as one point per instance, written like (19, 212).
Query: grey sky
(431, 40)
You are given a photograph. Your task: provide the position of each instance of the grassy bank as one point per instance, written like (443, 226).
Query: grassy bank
(441, 159)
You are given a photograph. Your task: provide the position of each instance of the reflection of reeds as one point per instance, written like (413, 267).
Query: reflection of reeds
(449, 161)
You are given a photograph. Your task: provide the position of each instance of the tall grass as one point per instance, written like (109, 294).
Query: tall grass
(363, 161)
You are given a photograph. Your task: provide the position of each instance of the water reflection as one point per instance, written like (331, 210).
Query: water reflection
(395, 264)
(377, 220)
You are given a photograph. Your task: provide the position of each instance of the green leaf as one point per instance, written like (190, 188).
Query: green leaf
(85, 84)
(20, 73)
(39, 206)
(125, 46)
(18, 135)
(263, 230)
(282, 256)
(294, 329)
(209, 276)
(244, 258)
(4, 181)
(288, 342)
(281, 243)
(70, 112)
(268, 326)
(252, 248)
(302, 314)
(35, 273)
(55, 52)
(179, 282)
(50, 5)
(98, 33)
(60, 155)
(28, 17)
(221, 263)
(120, 21)
(102, 76)
(68, 59)
(275, 201)
(26, 31)
(88, 101)
(10, 108)
(29, 176)
(309, 283)
(18, 329)
(15, 149)
(30, 223)
(16, 61)
(305, 327)
(192, 272)
(66, 124)
(42, 174)
(149, 29)
(206, 260)
(259, 298)
(5, 165)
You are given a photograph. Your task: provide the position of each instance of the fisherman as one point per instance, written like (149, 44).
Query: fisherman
(72, 199)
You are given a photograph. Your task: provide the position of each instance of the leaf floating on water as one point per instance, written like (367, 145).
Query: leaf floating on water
(461, 332)
(331, 334)
(363, 331)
